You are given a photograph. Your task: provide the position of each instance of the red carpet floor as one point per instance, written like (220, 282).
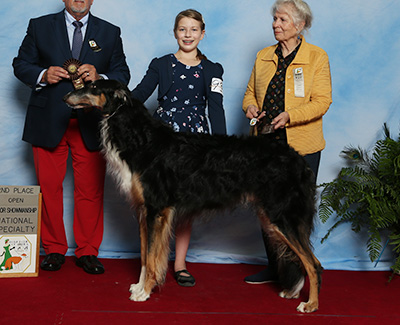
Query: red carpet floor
(70, 296)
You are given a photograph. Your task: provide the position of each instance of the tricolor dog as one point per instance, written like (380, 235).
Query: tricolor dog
(171, 178)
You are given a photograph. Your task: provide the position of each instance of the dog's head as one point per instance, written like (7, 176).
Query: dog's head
(105, 95)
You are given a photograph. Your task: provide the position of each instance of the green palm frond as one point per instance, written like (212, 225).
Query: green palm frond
(366, 194)
(374, 246)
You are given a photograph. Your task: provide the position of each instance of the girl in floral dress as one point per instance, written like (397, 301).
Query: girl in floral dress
(189, 100)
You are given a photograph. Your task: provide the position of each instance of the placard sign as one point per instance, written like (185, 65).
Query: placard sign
(20, 211)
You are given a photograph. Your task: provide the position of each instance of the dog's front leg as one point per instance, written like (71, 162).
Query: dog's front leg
(159, 232)
(137, 289)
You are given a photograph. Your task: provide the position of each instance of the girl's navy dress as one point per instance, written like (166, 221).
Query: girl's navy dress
(184, 105)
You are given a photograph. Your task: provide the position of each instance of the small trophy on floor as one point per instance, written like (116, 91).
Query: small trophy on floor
(72, 66)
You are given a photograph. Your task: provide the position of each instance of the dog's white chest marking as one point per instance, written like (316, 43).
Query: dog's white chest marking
(118, 167)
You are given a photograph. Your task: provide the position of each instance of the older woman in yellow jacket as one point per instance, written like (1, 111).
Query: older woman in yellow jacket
(290, 87)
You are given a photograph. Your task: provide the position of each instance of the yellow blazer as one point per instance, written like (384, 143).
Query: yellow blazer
(304, 130)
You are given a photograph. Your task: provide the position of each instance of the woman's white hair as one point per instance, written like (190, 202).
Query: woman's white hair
(298, 10)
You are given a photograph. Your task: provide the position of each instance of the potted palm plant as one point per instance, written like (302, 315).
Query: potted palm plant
(366, 193)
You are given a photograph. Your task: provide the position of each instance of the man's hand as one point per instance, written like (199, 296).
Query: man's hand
(88, 73)
(54, 75)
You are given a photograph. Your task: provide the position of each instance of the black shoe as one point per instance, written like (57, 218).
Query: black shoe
(265, 276)
(185, 281)
(90, 264)
(52, 262)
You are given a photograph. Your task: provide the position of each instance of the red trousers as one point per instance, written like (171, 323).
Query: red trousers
(89, 173)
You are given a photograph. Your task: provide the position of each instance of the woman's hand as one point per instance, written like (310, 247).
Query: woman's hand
(281, 120)
(254, 112)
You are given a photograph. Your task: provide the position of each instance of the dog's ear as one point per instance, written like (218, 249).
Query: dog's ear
(121, 94)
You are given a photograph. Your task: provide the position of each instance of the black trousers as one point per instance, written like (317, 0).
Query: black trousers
(313, 161)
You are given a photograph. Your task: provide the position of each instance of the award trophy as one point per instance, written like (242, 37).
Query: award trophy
(72, 66)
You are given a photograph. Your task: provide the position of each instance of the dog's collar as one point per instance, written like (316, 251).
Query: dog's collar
(116, 110)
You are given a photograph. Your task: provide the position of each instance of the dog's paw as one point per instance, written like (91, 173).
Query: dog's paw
(294, 292)
(135, 287)
(139, 296)
(307, 307)
(138, 293)
(289, 295)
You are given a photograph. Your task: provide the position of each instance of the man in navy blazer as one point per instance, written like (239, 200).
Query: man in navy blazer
(54, 129)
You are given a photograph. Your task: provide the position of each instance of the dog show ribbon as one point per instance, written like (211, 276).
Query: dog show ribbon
(72, 66)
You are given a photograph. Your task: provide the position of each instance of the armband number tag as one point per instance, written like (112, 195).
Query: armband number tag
(216, 85)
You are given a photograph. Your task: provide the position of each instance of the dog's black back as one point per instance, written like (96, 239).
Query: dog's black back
(200, 171)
